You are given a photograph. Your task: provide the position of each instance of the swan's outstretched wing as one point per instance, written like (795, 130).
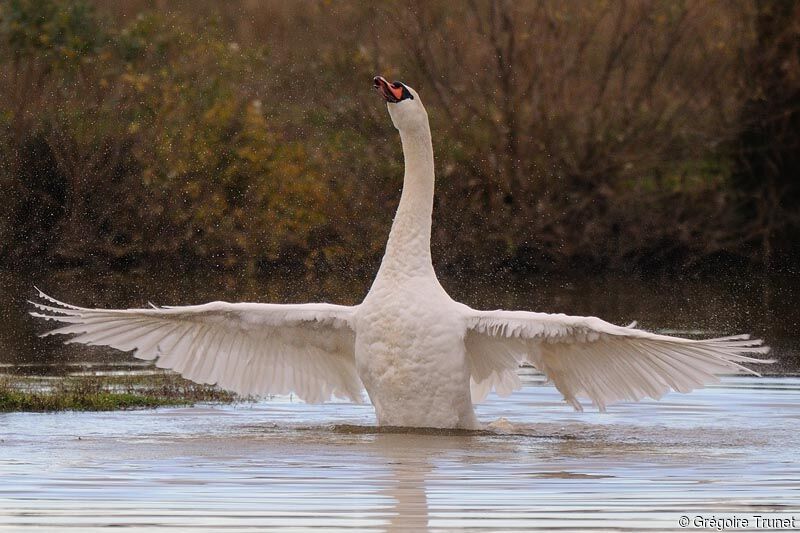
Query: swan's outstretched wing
(248, 348)
(588, 357)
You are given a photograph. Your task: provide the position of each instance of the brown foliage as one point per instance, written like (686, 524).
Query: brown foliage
(245, 134)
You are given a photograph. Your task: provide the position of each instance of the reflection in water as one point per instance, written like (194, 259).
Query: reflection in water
(409, 458)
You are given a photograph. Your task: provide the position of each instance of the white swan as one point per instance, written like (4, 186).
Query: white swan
(423, 358)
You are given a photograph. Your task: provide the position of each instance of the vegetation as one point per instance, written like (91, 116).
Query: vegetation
(105, 393)
(627, 136)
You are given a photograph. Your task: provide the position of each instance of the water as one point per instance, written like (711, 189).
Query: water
(729, 449)
(765, 307)
(726, 449)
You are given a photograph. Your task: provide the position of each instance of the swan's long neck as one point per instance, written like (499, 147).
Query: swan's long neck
(408, 250)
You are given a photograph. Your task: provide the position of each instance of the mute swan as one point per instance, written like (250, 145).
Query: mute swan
(423, 358)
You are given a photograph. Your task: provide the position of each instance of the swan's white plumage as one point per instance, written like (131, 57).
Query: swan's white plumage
(248, 348)
(423, 358)
(586, 357)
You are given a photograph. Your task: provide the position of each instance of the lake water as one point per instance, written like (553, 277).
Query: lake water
(765, 307)
(727, 450)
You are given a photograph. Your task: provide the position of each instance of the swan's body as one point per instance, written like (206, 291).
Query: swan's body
(422, 357)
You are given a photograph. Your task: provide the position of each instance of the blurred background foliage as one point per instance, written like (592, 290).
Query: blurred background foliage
(245, 136)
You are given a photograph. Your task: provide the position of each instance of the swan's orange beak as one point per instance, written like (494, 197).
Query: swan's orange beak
(391, 92)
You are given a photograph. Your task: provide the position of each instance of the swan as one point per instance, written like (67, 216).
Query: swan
(423, 358)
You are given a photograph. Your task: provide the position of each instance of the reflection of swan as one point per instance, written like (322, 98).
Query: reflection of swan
(422, 357)
(409, 460)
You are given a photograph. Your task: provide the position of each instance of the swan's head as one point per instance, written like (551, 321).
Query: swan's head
(404, 105)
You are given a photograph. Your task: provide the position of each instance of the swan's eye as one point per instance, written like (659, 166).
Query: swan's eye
(405, 94)
(392, 92)
(401, 92)
(396, 91)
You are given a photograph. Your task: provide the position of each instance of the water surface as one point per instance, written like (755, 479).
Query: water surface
(765, 307)
(731, 448)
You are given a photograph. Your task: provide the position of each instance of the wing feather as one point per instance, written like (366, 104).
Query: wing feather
(585, 357)
(217, 363)
(306, 349)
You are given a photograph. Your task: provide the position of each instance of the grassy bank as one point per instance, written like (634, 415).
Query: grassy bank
(104, 393)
